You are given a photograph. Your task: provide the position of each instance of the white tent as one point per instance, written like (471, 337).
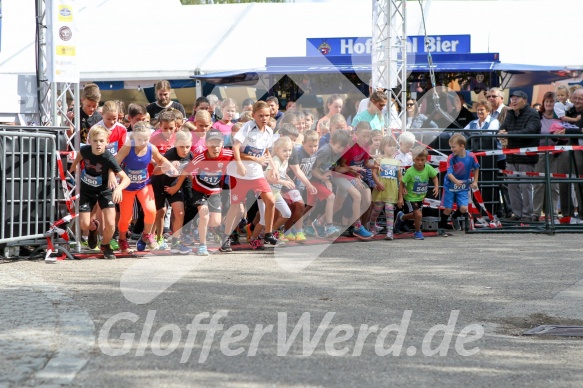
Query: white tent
(148, 40)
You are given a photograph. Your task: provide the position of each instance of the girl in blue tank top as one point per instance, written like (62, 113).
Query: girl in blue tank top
(135, 156)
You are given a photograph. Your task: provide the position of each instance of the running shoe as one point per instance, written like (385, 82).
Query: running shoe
(362, 233)
(418, 236)
(162, 245)
(331, 231)
(271, 239)
(300, 237)
(179, 247)
(202, 251)
(389, 235)
(107, 252)
(319, 229)
(442, 233)
(124, 247)
(257, 244)
(289, 236)
(309, 231)
(226, 246)
(114, 245)
(93, 236)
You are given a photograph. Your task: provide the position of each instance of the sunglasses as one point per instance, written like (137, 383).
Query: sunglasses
(410, 104)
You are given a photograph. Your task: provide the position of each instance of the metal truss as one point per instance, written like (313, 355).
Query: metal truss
(389, 55)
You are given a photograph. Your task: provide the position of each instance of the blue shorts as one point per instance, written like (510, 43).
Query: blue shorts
(459, 197)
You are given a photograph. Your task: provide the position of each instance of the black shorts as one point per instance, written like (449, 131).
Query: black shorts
(212, 201)
(410, 207)
(87, 200)
(161, 199)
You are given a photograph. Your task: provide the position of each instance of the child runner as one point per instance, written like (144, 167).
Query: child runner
(456, 185)
(135, 157)
(94, 188)
(88, 115)
(326, 158)
(171, 189)
(202, 123)
(282, 149)
(229, 109)
(208, 171)
(386, 192)
(300, 166)
(309, 119)
(413, 189)
(117, 131)
(251, 153)
(352, 163)
(201, 103)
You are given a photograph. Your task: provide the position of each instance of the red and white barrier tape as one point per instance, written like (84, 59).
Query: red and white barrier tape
(522, 173)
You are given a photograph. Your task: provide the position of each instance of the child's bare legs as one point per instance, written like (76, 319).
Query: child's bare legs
(85, 222)
(234, 214)
(160, 214)
(416, 216)
(177, 219)
(365, 196)
(203, 223)
(297, 209)
(109, 224)
(329, 210)
(269, 202)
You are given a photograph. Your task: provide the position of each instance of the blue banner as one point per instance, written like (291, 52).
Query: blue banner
(445, 44)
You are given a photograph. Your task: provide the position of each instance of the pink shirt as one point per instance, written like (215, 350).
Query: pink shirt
(224, 128)
(198, 143)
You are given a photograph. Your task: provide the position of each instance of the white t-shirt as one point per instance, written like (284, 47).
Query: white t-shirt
(253, 142)
(282, 169)
(405, 158)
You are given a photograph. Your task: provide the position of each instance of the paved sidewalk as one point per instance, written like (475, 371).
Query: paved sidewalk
(45, 338)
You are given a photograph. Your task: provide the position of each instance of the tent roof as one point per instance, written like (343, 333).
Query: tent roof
(151, 40)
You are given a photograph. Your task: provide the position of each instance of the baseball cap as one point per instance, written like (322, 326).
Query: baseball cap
(214, 135)
(520, 94)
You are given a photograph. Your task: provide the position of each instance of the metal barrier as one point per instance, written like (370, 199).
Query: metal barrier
(31, 196)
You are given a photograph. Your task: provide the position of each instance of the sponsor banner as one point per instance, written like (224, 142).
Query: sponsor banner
(445, 44)
(62, 56)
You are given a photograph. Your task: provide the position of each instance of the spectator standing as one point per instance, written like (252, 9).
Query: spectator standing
(522, 121)
(546, 120)
(163, 101)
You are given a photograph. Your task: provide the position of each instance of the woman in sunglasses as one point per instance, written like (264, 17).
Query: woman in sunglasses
(415, 119)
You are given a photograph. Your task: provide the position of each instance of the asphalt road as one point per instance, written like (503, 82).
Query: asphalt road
(484, 291)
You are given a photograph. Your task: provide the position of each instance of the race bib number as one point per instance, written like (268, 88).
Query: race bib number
(211, 178)
(463, 187)
(113, 147)
(254, 151)
(420, 188)
(137, 176)
(90, 180)
(388, 171)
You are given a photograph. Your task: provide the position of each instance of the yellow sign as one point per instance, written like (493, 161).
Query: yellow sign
(65, 13)
(66, 51)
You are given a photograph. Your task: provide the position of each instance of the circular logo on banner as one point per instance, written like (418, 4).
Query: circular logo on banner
(65, 33)
(65, 12)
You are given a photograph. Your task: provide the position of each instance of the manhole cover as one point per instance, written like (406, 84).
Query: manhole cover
(557, 330)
